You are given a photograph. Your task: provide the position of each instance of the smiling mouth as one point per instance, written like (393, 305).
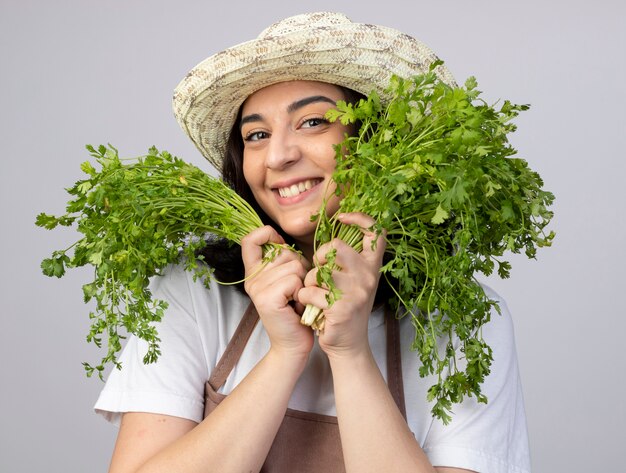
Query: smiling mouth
(299, 188)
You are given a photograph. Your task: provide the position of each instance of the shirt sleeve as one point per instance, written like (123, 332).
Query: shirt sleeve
(492, 437)
(174, 384)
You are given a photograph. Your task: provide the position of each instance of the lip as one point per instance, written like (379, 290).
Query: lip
(314, 182)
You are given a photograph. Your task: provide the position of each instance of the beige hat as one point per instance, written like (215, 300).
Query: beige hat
(327, 47)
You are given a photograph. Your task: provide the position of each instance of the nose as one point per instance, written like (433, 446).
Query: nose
(283, 150)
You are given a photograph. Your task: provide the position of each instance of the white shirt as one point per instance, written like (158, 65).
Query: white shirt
(199, 323)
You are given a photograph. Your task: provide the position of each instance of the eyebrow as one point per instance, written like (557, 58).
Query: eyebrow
(309, 100)
(255, 117)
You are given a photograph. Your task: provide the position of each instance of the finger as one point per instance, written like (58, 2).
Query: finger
(275, 271)
(252, 245)
(335, 246)
(282, 277)
(356, 218)
(373, 243)
(289, 287)
(337, 275)
(313, 295)
(275, 296)
(345, 256)
(311, 278)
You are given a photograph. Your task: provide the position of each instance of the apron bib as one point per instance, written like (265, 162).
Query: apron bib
(306, 442)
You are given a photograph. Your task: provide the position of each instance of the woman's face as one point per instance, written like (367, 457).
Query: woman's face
(288, 156)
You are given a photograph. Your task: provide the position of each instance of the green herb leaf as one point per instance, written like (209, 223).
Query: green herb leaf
(136, 218)
(434, 167)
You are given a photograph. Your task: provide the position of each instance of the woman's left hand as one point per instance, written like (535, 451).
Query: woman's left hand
(345, 329)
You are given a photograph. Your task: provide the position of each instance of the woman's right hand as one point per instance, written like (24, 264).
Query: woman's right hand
(273, 288)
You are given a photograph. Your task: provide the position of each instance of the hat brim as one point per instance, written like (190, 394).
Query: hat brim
(357, 56)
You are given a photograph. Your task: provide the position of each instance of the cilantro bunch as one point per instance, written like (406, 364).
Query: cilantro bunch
(435, 169)
(431, 163)
(136, 218)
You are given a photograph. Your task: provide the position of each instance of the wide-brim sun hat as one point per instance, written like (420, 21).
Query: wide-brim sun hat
(323, 46)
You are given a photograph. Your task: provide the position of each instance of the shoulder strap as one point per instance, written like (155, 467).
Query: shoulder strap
(235, 347)
(394, 360)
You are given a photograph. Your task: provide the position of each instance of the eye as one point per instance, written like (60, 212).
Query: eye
(256, 136)
(314, 122)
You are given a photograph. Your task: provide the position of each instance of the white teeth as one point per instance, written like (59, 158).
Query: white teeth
(297, 189)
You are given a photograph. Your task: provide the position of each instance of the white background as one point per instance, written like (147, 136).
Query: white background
(77, 72)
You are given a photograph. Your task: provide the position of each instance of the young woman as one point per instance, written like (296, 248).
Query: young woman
(278, 398)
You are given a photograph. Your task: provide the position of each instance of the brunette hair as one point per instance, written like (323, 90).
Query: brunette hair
(222, 256)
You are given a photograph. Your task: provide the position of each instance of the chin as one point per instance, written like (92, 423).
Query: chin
(299, 233)
(300, 229)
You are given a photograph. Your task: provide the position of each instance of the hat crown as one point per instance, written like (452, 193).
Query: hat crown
(305, 21)
(324, 46)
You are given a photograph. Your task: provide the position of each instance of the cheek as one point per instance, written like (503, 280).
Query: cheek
(324, 156)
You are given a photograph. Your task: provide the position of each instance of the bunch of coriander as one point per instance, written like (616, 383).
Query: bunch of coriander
(435, 169)
(136, 218)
